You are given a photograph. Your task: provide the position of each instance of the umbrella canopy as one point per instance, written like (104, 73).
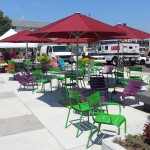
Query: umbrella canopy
(23, 37)
(132, 33)
(78, 26)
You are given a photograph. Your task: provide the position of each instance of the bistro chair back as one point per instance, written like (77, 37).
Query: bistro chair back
(135, 73)
(77, 105)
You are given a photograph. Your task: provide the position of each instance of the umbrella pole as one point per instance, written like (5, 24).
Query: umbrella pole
(71, 58)
(77, 42)
(26, 51)
(118, 55)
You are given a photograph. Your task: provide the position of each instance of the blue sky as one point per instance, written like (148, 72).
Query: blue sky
(135, 13)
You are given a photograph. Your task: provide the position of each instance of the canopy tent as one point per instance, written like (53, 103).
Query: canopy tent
(14, 45)
(17, 45)
(23, 37)
(8, 33)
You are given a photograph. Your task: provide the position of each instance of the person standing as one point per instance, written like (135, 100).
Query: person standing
(6, 55)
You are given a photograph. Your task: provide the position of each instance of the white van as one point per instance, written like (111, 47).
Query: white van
(57, 50)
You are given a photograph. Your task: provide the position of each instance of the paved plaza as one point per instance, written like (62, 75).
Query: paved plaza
(34, 121)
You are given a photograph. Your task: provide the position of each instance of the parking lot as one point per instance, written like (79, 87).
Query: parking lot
(145, 69)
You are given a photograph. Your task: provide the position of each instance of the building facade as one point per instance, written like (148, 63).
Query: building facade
(27, 25)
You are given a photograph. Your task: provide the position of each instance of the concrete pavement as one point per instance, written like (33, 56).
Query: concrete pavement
(36, 121)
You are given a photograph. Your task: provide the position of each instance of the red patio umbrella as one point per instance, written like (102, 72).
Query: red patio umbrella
(78, 26)
(132, 33)
(22, 37)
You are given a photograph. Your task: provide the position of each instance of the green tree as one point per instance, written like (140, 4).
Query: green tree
(5, 23)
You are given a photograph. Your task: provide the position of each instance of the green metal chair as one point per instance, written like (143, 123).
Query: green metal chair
(79, 106)
(135, 73)
(81, 76)
(28, 65)
(40, 78)
(68, 81)
(96, 67)
(119, 78)
(55, 75)
(100, 116)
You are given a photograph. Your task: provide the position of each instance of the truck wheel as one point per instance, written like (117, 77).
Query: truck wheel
(142, 62)
(132, 63)
(114, 61)
(109, 62)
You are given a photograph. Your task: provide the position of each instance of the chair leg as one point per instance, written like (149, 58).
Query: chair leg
(43, 88)
(125, 127)
(51, 86)
(119, 130)
(99, 126)
(58, 84)
(87, 145)
(123, 101)
(77, 135)
(81, 84)
(84, 84)
(88, 115)
(67, 117)
(111, 97)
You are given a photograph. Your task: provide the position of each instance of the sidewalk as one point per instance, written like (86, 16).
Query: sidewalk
(31, 121)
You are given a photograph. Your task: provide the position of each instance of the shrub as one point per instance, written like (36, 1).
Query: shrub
(136, 142)
(44, 59)
(146, 133)
(133, 142)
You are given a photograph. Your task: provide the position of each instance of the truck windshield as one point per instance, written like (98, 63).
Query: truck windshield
(60, 49)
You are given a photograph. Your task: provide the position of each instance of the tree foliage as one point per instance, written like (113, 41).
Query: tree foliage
(5, 23)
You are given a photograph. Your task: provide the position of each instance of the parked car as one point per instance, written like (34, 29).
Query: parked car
(147, 62)
(142, 58)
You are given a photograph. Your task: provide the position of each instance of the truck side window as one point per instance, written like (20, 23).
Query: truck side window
(99, 49)
(106, 47)
(130, 47)
(49, 48)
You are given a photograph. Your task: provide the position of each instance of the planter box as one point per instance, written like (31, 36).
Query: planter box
(144, 96)
(108, 144)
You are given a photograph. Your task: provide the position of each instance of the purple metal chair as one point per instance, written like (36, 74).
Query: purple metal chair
(26, 80)
(98, 83)
(108, 70)
(130, 89)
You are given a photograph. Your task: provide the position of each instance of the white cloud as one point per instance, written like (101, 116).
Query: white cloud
(22, 18)
(16, 8)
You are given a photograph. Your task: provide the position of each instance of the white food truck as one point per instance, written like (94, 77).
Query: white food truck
(126, 51)
(57, 50)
